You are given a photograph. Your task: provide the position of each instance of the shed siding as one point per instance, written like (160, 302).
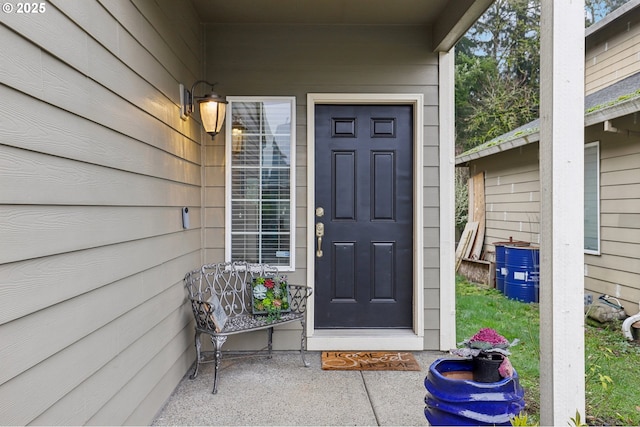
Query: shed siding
(612, 54)
(512, 203)
(295, 60)
(512, 195)
(96, 165)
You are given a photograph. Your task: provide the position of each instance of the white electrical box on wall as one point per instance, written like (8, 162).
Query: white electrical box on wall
(185, 218)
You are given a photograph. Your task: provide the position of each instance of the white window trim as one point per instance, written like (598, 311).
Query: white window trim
(292, 174)
(597, 145)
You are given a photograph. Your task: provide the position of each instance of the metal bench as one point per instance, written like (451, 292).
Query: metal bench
(229, 286)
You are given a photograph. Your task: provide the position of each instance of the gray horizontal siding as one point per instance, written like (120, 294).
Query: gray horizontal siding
(617, 270)
(512, 210)
(612, 55)
(293, 60)
(95, 165)
(512, 195)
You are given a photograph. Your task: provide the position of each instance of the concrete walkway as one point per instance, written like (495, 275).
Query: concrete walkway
(281, 391)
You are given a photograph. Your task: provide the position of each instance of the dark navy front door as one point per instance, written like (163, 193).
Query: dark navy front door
(364, 213)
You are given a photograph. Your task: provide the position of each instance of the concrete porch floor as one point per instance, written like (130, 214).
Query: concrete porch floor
(281, 391)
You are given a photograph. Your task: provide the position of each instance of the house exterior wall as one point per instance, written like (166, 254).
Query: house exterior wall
(512, 209)
(512, 195)
(616, 271)
(96, 165)
(512, 176)
(293, 60)
(612, 53)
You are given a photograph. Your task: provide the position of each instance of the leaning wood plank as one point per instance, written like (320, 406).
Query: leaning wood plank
(463, 237)
(474, 232)
(465, 241)
(478, 215)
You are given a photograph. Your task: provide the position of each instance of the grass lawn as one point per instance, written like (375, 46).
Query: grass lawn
(611, 377)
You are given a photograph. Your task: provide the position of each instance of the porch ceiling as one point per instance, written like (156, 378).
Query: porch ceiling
(392, 12)
(449, 19)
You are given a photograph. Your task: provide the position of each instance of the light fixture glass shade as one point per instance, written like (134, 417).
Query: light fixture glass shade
(237, 137)
(212, 112)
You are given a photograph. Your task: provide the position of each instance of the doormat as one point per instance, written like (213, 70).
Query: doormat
(369, 361)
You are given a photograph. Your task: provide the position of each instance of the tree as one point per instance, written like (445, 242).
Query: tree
(498, 75)
(498, 69)
(473, 74)
(506, 104)
(497, 72)
(508, 32)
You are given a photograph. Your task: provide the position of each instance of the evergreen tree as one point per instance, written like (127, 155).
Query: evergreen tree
(497, 72)
(498, 69)
(498, 75)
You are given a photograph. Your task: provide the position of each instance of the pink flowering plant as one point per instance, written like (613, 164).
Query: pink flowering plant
(489, 344)
(270, 296)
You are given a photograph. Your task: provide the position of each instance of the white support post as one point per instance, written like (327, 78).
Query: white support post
(562, 211)
(447, 201)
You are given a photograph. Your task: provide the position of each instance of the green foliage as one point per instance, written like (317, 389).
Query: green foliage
(521, 420)
(612, 394)
(506, 104)
(472, 74)
(480, 307)
(497, 72)
(498, 69)
(508, 32)
(462, 197)
(577, 420)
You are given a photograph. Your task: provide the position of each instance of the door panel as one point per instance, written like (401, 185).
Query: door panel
(364, 183)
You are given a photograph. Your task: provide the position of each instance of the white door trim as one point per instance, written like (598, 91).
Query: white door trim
(369, 339)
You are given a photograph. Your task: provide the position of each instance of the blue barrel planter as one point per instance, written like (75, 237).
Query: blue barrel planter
(522, 282)
(501, 268)
(453, 400)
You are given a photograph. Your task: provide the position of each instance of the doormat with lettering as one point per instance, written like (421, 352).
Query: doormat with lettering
(369, 361)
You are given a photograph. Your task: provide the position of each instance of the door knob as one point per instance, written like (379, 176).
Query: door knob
(319, 235)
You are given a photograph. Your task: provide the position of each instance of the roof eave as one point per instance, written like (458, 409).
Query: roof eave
(455, 20)
(618, 13)
(590, 118)
(625, 108)
(462, 160)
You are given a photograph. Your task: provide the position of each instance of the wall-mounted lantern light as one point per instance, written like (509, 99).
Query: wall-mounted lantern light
(213, 107)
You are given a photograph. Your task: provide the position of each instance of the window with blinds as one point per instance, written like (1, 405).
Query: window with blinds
(592, 198)
(260, 180)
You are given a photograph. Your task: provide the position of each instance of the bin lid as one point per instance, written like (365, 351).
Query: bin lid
(512, 243)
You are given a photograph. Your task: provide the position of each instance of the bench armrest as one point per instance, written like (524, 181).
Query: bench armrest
(202, 314)
(299, 295)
